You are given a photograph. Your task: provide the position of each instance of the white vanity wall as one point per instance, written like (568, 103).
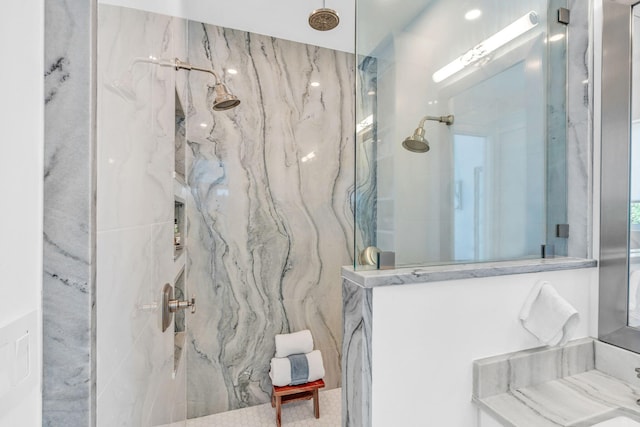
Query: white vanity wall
(21, 167)
(426, 336)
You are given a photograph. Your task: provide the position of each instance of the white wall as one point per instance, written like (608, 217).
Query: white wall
(22, 123)
(285, 19)
(426, 337)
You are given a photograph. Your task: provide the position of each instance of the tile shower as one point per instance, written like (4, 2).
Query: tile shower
(268, 212)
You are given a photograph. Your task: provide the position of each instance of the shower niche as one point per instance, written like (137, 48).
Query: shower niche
(179, 179)
(180, 141)
(179, 235)
(178, 228)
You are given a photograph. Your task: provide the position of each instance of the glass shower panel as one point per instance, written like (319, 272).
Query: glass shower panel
(634, 177)
(468, 202)
(476, 187)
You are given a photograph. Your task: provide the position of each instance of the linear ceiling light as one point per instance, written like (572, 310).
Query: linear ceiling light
(499, 39)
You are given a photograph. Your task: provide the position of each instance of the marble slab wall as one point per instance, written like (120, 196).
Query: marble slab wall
(580, 129)
(68, 294)
(136, 383)
(356, 354)
(269, 215)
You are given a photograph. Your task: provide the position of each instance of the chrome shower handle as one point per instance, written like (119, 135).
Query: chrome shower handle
(175, 305)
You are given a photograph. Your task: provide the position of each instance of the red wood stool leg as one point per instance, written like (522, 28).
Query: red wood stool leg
(316, 403)
(278, 411)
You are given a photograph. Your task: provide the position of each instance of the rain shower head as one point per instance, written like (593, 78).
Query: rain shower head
(417, 143)
(324, 19)
(224, 99)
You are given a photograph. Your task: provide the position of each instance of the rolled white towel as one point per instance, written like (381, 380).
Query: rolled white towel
(548, 316)
(295, 343)
(281, 370)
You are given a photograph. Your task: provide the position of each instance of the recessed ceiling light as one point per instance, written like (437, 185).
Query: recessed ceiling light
(472, 14)
(232, 71)
(315, 84)
(203, 125)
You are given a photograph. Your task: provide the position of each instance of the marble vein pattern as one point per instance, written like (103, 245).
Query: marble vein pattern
(579, 129)
(577, 400)
(401, 276)
(367, 189)
(616, 361)
(68, 395)
(356, 350)
(580, 384)
(137, 385)
(270, 221)
(499, 374)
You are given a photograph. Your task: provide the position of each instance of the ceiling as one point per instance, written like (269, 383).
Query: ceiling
(287, 19)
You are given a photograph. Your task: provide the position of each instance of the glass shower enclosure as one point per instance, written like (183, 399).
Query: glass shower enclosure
(460, 131)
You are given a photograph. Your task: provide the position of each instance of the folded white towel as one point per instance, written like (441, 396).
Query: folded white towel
(280, 372)
(294, 343)
(548, 316)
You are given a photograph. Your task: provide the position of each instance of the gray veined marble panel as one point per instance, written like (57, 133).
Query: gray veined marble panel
(135, 204)
(371, 278)
(269, 216)
(500, 374)
(580, 384)
(617, 362)
(356, 349)
(69, 220)
(579, 128)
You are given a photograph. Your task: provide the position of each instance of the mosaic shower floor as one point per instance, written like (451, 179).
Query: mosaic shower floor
(295, 414)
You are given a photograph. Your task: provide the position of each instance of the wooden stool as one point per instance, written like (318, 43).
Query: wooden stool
(291, 393)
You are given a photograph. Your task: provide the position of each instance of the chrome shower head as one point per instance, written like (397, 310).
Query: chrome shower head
(417, 143)
(324, 19)
(224, 99)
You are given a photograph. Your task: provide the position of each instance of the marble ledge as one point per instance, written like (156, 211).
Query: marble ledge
(440, 273)
(574, 386)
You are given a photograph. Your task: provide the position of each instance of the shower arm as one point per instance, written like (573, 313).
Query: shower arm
(186, 66)
(448, 120)
(176, 63)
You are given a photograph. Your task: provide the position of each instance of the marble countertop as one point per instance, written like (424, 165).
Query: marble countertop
(584, 383)
(574, 401)
(439, 273)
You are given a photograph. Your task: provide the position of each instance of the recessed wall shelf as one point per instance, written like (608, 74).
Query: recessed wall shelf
(178, 229)
(179, 320)
(180, 141)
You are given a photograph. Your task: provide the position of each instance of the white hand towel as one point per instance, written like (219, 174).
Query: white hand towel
(548, 316)
(294, 343)
(280, 372)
